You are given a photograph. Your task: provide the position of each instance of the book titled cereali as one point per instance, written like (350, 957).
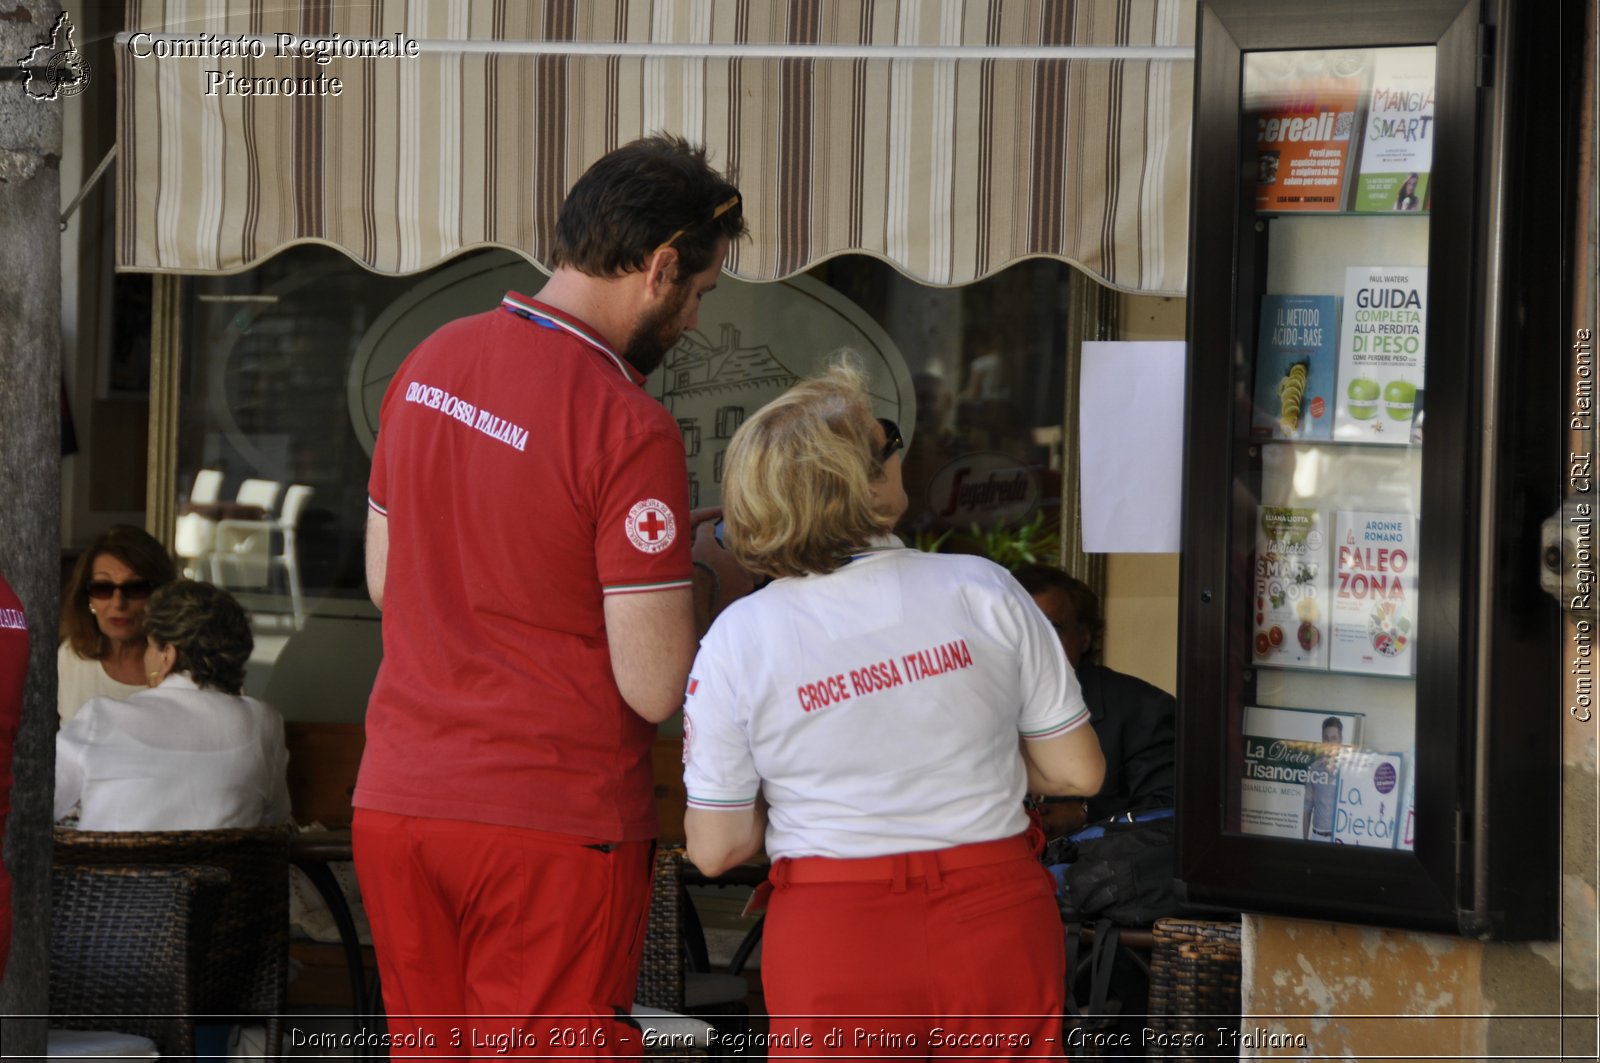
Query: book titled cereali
(1382, 351)
(1303, 125)
(1295, 354)
(1374, 593)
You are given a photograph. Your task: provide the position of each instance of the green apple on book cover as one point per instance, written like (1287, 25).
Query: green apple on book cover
(1296, 349)
(1382, 351)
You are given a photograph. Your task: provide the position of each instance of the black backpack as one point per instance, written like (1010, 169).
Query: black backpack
(1121, 871)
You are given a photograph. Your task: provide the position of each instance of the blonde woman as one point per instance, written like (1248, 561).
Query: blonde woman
(874, 717)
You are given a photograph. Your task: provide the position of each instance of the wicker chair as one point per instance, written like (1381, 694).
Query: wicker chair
(664, 980)
(243, 972)
(125, 947)
(1194, 983)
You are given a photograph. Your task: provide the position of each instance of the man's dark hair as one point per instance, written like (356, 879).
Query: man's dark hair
(634, 199)
(1334, 722)
(1036, 579)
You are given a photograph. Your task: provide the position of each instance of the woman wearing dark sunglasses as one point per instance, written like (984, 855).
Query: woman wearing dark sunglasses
(102, 617)
(874, 717)
(190, 752)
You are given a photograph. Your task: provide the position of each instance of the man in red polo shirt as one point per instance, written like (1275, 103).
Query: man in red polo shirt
(529, 543)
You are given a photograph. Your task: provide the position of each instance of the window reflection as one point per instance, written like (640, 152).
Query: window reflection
(264, 426)
(274, 469)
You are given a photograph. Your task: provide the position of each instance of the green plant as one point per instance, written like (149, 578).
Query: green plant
(930, 543)
(1035, 541)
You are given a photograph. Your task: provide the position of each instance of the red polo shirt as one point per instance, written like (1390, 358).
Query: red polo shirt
(525, 474)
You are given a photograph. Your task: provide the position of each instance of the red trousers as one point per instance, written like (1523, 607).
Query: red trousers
(957, 952)
(496, 941)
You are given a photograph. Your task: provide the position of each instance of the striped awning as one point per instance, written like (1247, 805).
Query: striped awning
(950, 137)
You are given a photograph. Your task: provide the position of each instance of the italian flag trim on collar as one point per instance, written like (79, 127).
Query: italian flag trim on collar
(529, 309)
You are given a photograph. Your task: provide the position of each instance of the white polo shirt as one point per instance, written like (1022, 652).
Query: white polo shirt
(878, 706)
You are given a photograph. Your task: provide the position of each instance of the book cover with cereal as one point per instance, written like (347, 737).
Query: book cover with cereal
(1291, 589)
(1374, 593)
(1302, 114)
(1296, 353)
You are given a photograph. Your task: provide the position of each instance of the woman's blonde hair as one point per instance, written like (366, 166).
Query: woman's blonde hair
(798, 475)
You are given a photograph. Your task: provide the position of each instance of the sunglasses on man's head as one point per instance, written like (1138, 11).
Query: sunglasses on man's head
(892, 439)
(718, 211)
(134, 590)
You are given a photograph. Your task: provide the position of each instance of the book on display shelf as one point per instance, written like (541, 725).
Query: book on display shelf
(1303, 725)
(1382, 353)
(1369, 795)
(1280, 776)
(1295, 355)
(1307, 779)
(1374, 593)
(1408, 808)
(1291, 589)
(1397, 136)
(1303, 109)
(1287, 767)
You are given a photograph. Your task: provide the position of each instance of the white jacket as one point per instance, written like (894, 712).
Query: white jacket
(175, 757)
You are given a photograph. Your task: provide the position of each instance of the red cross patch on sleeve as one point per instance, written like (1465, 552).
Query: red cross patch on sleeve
(650, 526)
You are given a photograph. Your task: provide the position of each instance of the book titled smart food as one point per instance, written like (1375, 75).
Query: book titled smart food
(1397, 138)
(1374, 593)
(1296, 349)
(1382, 348)
(1290, 588)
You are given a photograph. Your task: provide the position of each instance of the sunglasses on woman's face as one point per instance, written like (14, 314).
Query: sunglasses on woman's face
(892, 439)
(135, 590)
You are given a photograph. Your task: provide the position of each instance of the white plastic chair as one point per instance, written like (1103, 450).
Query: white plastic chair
(196, 533)
(262, 494)
(207, 486)
(244, 547)
(193, 540)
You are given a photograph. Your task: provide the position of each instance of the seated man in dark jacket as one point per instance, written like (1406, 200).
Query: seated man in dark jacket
(1133, 720)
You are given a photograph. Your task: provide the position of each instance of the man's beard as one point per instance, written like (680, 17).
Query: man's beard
(656, 335)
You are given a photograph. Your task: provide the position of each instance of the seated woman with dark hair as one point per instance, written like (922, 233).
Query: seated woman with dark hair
(102, 617)
(191, 753)
(873, 717)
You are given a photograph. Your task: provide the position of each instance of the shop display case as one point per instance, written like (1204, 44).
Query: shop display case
(1369, 672)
